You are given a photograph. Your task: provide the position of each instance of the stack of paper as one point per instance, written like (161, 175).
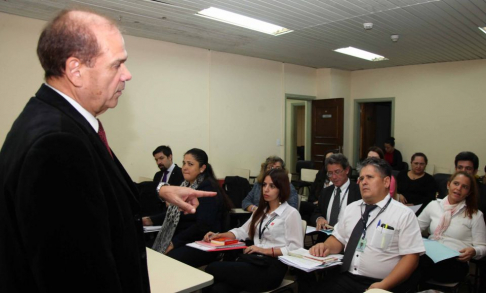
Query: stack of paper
(150, 229)
(311, 229)
(438, 251)
(206, 246)
(302, 260)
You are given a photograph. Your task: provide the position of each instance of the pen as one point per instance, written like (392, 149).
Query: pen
(379, 222)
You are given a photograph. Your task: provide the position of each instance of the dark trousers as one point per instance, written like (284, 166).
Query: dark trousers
(236, 276)
(193, 257)
(349, 283)
(446, 271)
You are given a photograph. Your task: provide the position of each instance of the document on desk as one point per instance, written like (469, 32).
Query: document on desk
(438, 251)
(415, 208)
(311, 229)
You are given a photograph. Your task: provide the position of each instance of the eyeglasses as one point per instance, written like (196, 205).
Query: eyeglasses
(336, 172)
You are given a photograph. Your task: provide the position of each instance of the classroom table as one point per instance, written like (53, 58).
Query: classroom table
(169, 275)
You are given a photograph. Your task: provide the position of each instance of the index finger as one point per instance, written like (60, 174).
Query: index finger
(199, 193)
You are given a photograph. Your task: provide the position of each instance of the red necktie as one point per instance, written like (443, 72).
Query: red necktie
(102, 134)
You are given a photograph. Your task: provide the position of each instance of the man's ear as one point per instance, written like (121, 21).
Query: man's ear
(73, 71)
(387, 182)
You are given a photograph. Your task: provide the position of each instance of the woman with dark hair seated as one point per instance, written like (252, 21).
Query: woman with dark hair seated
(392, 155)
(376, 152)
(275, 228)
(415, 186)
(250, 202)
(456, 222)
(179, 229)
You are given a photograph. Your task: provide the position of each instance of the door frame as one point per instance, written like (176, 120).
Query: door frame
(307, 102)
(357, 120)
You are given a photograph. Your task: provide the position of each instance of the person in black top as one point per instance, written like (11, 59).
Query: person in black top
(392, 155)
(416, 186)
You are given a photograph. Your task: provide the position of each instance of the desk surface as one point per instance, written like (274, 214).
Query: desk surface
(169, 275)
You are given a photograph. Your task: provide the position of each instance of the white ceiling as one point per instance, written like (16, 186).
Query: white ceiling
(430, 31)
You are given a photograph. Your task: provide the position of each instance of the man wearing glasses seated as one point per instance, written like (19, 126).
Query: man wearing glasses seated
(334, 199)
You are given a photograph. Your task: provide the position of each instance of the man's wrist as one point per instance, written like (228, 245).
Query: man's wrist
(160, 186)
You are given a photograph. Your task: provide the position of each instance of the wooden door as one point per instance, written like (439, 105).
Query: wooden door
(367, 128)
(327, 128)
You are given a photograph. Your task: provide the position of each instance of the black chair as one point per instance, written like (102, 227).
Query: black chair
(299, 184)
(441, 183)
(236, 188)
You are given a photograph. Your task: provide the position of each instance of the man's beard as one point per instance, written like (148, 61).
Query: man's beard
(162, 168)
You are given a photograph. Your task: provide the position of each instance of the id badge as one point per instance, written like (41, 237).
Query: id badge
(361, 245)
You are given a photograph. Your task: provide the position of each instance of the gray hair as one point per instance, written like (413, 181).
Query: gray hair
(337, 159)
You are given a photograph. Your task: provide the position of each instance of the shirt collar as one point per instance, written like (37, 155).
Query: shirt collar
(382, 203)
(343, 187)
(171, 168)
(87, 115)
(281, 208)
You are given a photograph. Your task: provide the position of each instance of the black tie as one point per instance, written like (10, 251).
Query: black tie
(335, 207)
(354, 239)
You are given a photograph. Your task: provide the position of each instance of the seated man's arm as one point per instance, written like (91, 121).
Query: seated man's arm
(330, 246)
(400, 273)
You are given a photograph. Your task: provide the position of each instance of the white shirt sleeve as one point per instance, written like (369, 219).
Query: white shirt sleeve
(479, 235)
(294, 234)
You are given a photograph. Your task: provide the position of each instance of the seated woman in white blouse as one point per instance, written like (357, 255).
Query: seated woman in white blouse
(275, 228)
(456, 222)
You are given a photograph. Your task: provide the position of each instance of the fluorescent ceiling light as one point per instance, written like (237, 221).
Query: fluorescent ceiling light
(243, 21)
(483, 29)
(361, 54)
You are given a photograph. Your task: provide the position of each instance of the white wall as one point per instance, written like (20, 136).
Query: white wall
(439, 107)
(229, 105)
(233, 106)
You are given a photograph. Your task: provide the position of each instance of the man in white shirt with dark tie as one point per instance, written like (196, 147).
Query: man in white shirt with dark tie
(381, 238)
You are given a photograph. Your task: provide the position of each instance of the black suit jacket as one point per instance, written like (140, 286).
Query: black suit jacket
(175, 178)
(68, 210)
(324, 198)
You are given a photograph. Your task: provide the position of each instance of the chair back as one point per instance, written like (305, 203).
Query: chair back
(304, 227)
(441, 183)
(243, 173)
(236, 188)
(308, 175)
(303, 164)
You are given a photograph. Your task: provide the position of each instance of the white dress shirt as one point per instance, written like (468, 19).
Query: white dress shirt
(284, 232)
(87, 115)
(343, 200)
(462, 231)
(405, 238)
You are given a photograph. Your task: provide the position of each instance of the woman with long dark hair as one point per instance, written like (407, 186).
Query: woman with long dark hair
(275, 228)
(179, 229)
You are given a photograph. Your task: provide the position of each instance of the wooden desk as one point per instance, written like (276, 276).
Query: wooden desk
(169, 275)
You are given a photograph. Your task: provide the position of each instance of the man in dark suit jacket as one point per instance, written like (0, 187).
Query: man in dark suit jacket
(68, 209)
(163, 158)
(330, 206)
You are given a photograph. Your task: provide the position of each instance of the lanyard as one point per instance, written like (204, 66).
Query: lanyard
(379, 213)
(260, 231)
(342, 199)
